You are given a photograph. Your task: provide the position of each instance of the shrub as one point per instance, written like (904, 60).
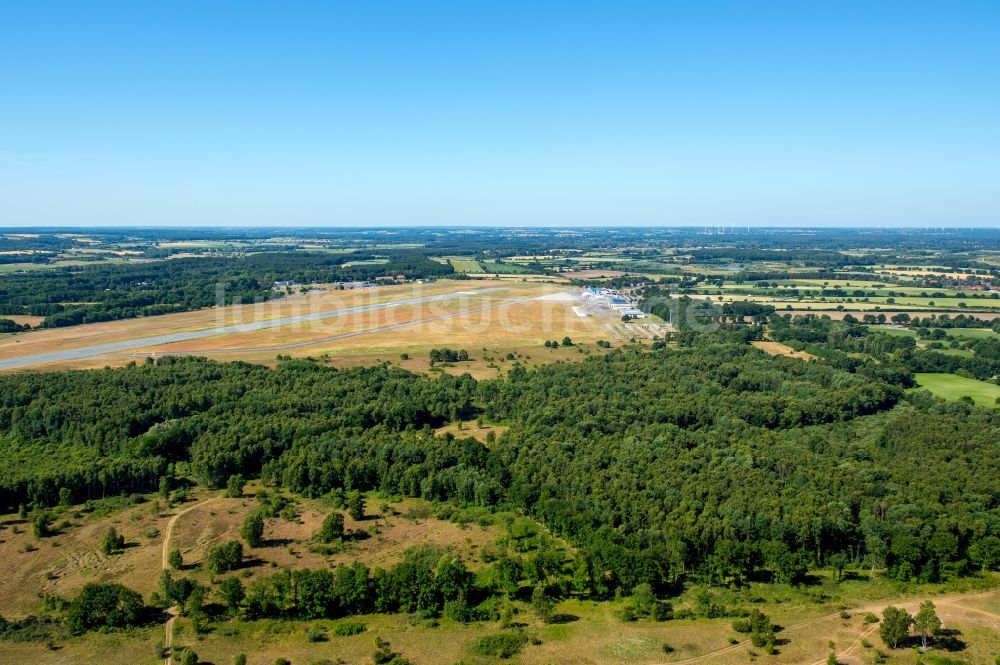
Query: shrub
(741, 625)
(499, 645)
(627, 614)
(234, 487)
(104, 606)
(112, 541)
(40, 525)
(225, 556)
(332, 529)
(348, 628)
(253, 529)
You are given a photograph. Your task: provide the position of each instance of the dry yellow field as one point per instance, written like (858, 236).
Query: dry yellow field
(591, 634)
(489, 318)
(23, 318)
(62, 563)
(779, 349)
(922, 273)
(471, 428)
(42, 341)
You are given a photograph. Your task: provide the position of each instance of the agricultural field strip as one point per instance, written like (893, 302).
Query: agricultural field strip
(84, 352)
(333, 338)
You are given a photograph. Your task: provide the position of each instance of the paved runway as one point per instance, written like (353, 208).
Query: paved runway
(95, 350)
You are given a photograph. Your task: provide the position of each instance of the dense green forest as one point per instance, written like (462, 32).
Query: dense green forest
(854, 347)
(712, 460)
(104, 292)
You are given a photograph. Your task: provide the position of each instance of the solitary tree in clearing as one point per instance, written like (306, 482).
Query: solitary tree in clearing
(112, 541)
(926, 622)
(895, 626)
(253, 530)
(356, 505)
(234, 486)
(541, 604)
(332, 529)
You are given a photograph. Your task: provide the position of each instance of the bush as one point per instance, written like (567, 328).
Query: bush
(112, 541)
(499, 645)
(315, 635)
(234, 487)
(348, 628)
(663, 612)
(253, 529)
(225, 556)
(40, 525)
(741, 625)
(104, 606)
(627, 614)
(332, 529)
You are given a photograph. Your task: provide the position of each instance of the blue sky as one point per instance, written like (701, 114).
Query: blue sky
(357, 113)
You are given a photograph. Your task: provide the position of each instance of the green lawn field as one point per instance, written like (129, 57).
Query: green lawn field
(952, 386)
(503, 268)
(465, 265)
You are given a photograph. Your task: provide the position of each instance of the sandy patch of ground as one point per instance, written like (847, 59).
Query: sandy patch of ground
(64, 562)
(469, 428)
(779, 349)
(23, 318)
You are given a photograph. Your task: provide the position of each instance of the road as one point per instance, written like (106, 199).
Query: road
(97, 350)
(173, 610)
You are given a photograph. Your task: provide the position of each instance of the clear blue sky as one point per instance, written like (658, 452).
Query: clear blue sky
(374, 112)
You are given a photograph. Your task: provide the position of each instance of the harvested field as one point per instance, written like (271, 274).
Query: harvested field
(23, 318)
(779, 349)
(594, 274)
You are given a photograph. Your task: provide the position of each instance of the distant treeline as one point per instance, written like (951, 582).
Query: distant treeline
(818, 274)
(809, 257)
